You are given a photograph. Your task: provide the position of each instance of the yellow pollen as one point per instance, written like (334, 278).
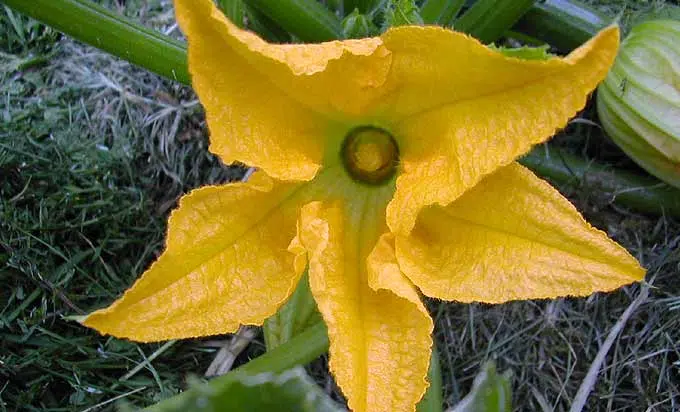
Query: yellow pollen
(369, 157)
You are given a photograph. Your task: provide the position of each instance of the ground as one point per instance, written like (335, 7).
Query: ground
(94, 153)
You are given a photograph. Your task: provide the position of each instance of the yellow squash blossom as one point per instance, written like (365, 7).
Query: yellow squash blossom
(386, 168)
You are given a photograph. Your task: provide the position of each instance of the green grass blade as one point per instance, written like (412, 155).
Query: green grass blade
(440, 12)
(104, 29)
(488, 20)
(490, 392)
(306, 19)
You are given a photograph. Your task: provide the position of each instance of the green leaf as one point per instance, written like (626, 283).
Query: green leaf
(488, 20)
(364, 6)
(288, 391)
(309, 20)
(357, 26)
(300, 350)
(265, 27)
(490, 393)
(661, 11)
(234, 10)
(525, 53)
(402, 13)
(293, 318)
(564, 24)
(433, 399)
(441, 12)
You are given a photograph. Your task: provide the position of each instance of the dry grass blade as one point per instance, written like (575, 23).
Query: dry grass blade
(230, 350)
(589, 381)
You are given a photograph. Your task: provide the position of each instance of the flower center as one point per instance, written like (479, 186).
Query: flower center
(370, 155)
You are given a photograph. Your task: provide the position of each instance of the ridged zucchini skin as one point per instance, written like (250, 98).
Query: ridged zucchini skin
(639, 102)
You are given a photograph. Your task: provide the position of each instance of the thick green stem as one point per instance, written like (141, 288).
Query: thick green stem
(104, 29)
(300, 350)
(565, 24)
(441, 12)
(642, 193)
(306, 19)
(488, 20)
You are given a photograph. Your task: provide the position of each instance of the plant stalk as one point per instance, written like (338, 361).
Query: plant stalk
(307, 19)
(645, 194)
(95, 25)
(565, 24)
(441, 12)
(488, 20)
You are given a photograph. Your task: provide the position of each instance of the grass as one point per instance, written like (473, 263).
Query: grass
(95, 152)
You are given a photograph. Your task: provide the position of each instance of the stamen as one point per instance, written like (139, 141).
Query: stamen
(370, 155)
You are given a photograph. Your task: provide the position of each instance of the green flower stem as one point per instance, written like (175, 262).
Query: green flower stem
(565, 24)
(104, 29)
(488, 20)
(307, 19)
(433, 400)
(642, 193)
(441, 12)
(300, 350)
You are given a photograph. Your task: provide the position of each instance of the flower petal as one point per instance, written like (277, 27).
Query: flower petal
(379, 334)
(271, 105)
(225, 264)
(511, 237)
(468, 110)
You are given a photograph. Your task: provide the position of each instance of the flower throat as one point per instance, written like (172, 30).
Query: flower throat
(370, 155)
